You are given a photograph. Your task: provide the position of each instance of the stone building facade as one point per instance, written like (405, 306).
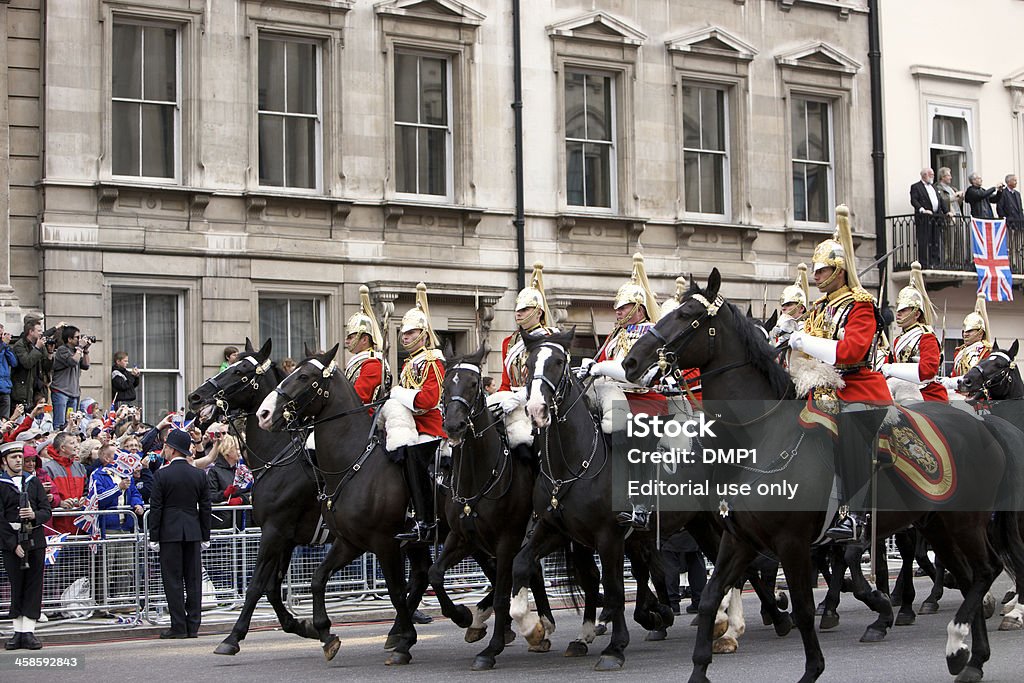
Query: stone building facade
(184, 173)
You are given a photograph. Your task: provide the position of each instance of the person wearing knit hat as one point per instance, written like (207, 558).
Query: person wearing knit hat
(840, 333)
(915, 356)
(367, 368)
(413, 442)
(25, 510)
(636, 312)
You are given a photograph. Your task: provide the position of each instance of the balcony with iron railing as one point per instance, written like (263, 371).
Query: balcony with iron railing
(956, 261)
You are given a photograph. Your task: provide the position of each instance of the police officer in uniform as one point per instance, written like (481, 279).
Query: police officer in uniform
(915, 355)
(23, 553)
(842, 330)
(367, 368)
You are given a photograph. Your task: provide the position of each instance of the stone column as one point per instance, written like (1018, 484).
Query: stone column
(10, 313)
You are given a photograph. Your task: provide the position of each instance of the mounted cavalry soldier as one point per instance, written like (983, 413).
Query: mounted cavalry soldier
(915, 356)
(412, 415)
(367, 368)
(841, 331)
(636, 312)
(976, 347)
(532, 318)
(793, 308)
(690, 376)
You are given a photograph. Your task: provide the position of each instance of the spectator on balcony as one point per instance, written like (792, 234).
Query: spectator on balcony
(949, 196)
(928, 229)
(981, 199)
(1009, 206)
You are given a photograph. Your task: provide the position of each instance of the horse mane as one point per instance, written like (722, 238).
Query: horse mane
(475, 358)
(760, 354)
(563, 338)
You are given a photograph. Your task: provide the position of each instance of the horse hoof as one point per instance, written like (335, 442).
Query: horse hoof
(227, 648)
(873, 635)
(462, 617)
(929, 608)
(474, 634)
(956, 663)
(766, 619)
(905, 618)
(724, 646)
(820, 609)
(782, 601)
(720, 628)
(398, 659)
(601, 629)
(331, 647)
(988, 606)
(576, 648)
(829, 621)
(392, 642)
(656, 635)
(536, 634)
(483, 663)
(609, 663)
(1007, 624)
(542, 646)
(971, 674)
(784, 625)
(510, 636)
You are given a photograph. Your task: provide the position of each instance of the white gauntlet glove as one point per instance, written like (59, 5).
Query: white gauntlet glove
(908, 372)
(611, 369)
(516, 398)
(155, 547)
(406, 397)
(584, 369)
(815, 347)
(950, 383)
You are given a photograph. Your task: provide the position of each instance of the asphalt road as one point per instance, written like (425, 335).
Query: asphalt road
(911, 654)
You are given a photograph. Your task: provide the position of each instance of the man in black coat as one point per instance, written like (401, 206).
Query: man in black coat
(179, 526)
(1009, 206)
(927, 221)
(24, 505)
(979, 198)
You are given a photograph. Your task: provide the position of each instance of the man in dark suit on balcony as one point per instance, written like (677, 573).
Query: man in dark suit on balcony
(981, 199)
(179, 524)
(927, 223)
(1009, 206)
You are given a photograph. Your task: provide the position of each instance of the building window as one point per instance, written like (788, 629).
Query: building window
(589, 139)
(289, 113)
(145, 101)
(423, 129)
(812, 160)
(950, 142)
(292, 322)
(705, 149)
(147, 326)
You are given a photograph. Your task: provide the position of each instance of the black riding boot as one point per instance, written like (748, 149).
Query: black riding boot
(642, 505)
(421, 490)
(857, 431)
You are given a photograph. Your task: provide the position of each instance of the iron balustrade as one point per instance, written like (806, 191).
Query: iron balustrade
(956, 250)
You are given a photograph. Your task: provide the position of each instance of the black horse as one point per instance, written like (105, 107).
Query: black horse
(572, 503)
(735, 363)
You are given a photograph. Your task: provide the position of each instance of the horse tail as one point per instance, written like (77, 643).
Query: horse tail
(572, 581)
(1005, 529)
(1005, 534)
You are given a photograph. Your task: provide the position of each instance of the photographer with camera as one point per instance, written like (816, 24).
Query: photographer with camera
(35, 359)
(68, 362)
(123, 381)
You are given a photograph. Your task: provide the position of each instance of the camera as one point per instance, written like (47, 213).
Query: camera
(50, 335)
(89, 338)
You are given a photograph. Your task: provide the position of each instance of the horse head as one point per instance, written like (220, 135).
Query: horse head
(547, 373)
(677, 338)
(301, 395)
(462, 394)
(992, 375)
(235, 386)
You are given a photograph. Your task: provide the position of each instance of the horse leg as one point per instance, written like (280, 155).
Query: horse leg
(647, 610)
(543, 604)
(764, 586)
(876, 601)
(796, 562)
(729, 622)
(589, 579)
(455, 549)
(828, 607)
(733, 559)
(392, 566)
(341, 554)
(542, 542)
(612, 552)
(506, 551)
(904, 589)
(267, 562)
(931, 603)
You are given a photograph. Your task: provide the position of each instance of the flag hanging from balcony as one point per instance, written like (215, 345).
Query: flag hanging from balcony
(992, 259)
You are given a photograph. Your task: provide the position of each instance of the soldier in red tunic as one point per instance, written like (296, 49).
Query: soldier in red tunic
(419, 393)
(915, 355)
(842, 330)
(367, 368)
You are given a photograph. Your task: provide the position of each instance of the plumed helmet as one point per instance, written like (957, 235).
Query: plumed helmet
(418, 317)
(638, 291)
(365, 322)
(914, 295)
(837, 252)
(796, 293)
(532, 296)
(978, 318)
(672, 303)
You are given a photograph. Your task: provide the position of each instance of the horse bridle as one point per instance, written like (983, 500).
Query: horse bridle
(477, 406)
(222, 394)
(294, 406)
(996, 379)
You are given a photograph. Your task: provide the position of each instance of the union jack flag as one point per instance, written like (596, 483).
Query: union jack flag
(243, 476)
(108, 422)
(992, 259)
(89, 523)
(54, 544)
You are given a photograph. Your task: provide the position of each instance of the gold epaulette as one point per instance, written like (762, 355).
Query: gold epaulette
(434, 354)
(861, 294)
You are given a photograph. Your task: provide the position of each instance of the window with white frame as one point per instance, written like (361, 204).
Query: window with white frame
(812, 160)
(423, 124)
(289, 113)
(292, 321)
(590, 139)
(147, 326)
(705, 149)
(145, 100)
(950, 141)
